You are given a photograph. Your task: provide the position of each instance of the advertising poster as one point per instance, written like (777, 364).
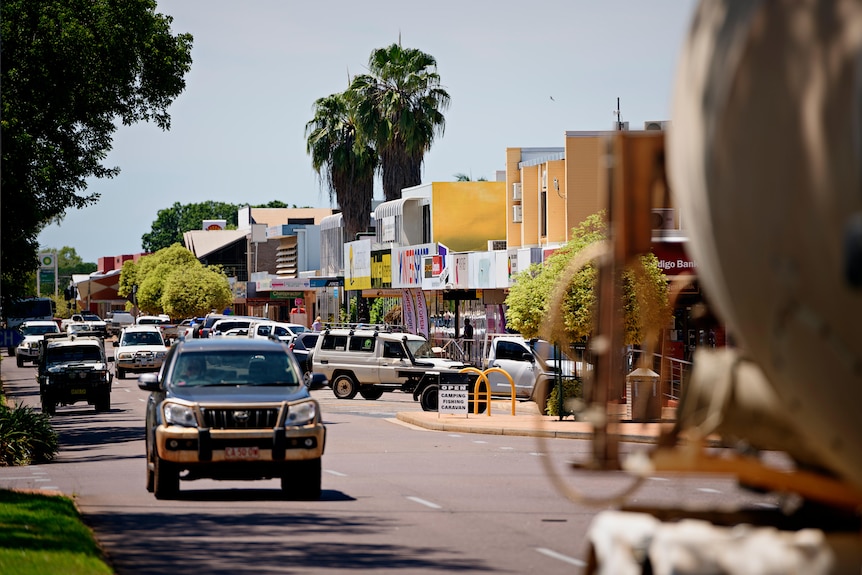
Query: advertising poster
(407, 312)
(357, 265)
(421, 310)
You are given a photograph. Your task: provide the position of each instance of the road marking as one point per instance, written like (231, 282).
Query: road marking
(479, 441)
(455, 435)
(405, 424)
(561, 557)
(336, 473)
(507, 448)
(708, 490)
(423, 502)
(141, 399)
(537, 454)
(658, 479)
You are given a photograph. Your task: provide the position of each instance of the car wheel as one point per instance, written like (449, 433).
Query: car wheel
(166, 478)
(371, 392)
(121, 373)
(10, 351)
(20, 361)
(301, 480)
(428, 398)
(540, 395)
(306, 379)
(151, 477)
(104, 402)
(49, 406)
(344, 387)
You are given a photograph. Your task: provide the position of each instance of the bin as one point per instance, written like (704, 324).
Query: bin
(643, 395)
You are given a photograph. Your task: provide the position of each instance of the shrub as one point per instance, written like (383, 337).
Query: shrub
(26, 436)
(572, 390)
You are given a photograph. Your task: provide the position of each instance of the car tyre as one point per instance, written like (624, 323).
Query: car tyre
(301, 480)
(344, 387)
(20, 361)
(306, 379)
(104, 402)
(49, 406)
(428, 398)
(166, 478)
(121, 373)
(371, 392)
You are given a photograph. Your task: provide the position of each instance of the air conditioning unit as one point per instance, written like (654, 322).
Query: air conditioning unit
(664, 219)
(621, 126)
(517, 214)
(496, 245)
(656, 125)
(516, 191)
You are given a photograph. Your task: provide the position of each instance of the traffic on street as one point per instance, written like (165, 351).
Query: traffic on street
(395, 498)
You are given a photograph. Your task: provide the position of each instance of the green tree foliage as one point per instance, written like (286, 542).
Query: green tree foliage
(174, 282)
(400, 108)
(461, 177)
(71, 73)
(343, 159)
(645, 299)
(171, 223)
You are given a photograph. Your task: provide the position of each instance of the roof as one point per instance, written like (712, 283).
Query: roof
(277, 216)
(204, 242)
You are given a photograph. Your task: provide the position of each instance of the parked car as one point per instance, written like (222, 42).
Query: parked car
(232, 409)
(302, 348)
(226, 324)
(34, 332)
(140, 348)
(369, 361)
(269, 328)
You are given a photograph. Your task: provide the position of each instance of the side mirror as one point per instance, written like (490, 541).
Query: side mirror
(115, 344)
(149, 382)
(528, 357)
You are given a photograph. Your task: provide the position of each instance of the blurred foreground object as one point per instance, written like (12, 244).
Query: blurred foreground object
(763, 160)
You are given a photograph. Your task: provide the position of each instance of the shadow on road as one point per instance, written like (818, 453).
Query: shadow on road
(280, 542)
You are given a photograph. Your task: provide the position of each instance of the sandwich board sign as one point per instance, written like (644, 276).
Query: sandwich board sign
(452, 398)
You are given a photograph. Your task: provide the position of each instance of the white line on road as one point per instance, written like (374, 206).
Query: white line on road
(507, 448)
(423, 502)
(479, 441)
(708, 490)
(561, 557)
(336, 473)
(537, 454)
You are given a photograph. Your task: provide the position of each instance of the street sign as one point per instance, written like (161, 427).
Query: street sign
(10, 337)
(452, 398)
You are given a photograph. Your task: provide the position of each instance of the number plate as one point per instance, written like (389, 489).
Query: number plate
(79, 392)
(241, 453)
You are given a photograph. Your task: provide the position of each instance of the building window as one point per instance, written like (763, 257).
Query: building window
(426, 224)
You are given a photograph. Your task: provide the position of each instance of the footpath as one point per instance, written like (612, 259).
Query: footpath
(526, 421)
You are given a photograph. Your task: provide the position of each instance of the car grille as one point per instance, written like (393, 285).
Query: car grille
(240, 418)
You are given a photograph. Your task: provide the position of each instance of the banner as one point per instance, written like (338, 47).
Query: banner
(421, 312)
(407, 312)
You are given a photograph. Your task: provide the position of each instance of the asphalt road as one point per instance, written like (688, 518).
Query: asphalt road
(396, 499)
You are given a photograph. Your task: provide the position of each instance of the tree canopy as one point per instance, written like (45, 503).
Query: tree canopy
(174, 282)
(400, 105)
(343, 158)
(72, 72)
(645, 296)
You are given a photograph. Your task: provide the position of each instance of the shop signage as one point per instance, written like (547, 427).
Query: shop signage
(452, 398)
(381, 269)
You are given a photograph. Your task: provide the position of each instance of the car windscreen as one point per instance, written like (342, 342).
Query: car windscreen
(141, 338)
(73, 354)
(420, 348)
(40, 329)
(234, 368)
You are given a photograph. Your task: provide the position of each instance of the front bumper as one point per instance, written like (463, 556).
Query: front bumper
(190, 445)
(27, 352)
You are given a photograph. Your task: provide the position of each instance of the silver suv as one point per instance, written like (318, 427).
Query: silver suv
(371, 361)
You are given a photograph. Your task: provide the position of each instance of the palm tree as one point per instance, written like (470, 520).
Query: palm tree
(400, 104)
(344, 160)
(460, 177)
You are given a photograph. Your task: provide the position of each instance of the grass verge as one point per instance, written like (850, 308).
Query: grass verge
(44, 534)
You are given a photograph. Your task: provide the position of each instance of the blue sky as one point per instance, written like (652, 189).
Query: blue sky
(520, 74)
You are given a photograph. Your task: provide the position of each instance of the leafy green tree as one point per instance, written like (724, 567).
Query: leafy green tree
(343, 159)
(400, 107)
(193, 291)
(71, 72)
(171, 223)
(162, 278)
(644, 298)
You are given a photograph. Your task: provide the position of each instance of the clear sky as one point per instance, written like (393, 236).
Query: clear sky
(519, 74)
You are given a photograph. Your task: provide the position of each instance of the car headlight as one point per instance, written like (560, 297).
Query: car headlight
(301, 413)
(124, 355)
(178, 414)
